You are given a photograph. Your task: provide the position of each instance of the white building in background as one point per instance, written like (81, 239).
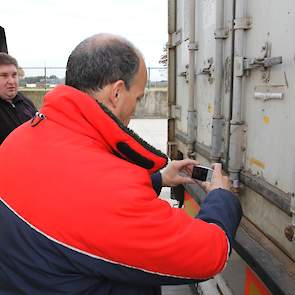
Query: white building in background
(31, 85)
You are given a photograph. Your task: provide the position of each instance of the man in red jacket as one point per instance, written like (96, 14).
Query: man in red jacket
(85, 217)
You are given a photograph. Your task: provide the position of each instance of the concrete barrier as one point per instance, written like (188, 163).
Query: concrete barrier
(153, 105)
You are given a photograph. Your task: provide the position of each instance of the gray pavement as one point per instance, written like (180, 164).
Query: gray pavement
(154, 131)
(177, 290)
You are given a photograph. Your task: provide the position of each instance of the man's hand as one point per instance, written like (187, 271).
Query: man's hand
(217, 181)
(171, 176)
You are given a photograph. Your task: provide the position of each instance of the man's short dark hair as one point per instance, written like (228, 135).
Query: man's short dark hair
(6, 59)
(101, 60)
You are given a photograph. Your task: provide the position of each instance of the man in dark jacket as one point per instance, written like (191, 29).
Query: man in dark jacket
(85, 217)
(15, 108)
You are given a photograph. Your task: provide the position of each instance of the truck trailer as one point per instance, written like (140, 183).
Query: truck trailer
(231, 98)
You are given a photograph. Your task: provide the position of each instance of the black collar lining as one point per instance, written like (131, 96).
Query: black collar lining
(132, 133)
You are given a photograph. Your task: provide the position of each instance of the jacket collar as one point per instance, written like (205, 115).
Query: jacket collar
(78, 111)
(16, 99)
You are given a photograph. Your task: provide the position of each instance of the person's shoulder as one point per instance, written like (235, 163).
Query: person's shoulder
(21, 97)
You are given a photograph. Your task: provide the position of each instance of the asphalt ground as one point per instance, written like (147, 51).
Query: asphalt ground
(154, 132)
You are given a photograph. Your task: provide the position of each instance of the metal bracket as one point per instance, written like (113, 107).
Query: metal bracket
(221, 33)
(184, 74)
(239, 66)
(175, 112)
(263, 62)
(246, 64)
(208, 69)
(267, 62)
(193, 46)
(267, 92)
(265, 96)
(176, 38)
(243, 23)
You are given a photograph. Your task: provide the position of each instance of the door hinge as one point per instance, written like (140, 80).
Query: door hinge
(208, 69)
(175, 112)
(184, 74)
(221, 33)
(193, 46)
(243, 23)
(176, 39)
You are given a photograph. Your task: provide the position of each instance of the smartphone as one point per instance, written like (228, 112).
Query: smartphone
(202, 173)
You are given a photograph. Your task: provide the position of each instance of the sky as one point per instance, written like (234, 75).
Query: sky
(44, 32)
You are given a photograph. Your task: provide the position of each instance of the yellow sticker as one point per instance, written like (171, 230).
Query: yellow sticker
(209, 108)
(257, 163)
(266, 120)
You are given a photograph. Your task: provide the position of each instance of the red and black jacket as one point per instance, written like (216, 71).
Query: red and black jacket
(79, 214)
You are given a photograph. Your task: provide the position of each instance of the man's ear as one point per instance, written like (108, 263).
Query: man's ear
(116, 90)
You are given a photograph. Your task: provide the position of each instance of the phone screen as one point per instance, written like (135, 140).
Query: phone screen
(201, 173)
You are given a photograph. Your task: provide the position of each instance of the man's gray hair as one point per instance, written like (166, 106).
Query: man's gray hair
(6, 59)
(101, 60)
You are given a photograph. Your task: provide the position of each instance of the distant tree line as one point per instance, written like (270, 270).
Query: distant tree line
(52, 79)
(36, 79)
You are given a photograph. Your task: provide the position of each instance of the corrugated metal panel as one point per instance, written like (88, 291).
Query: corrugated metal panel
(270, 122)
(264, 122)
(268, 113)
